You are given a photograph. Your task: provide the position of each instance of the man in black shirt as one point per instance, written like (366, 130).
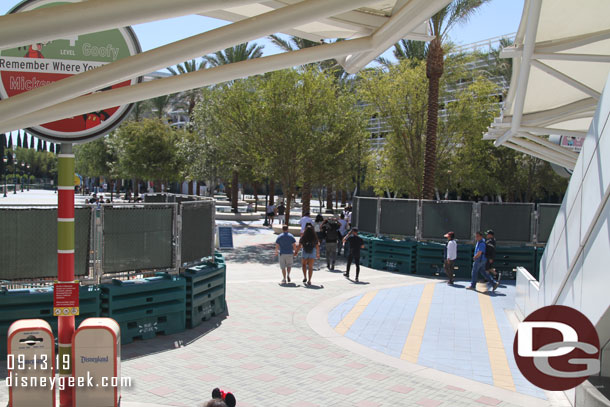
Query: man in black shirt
(355, 244)
(490, 254)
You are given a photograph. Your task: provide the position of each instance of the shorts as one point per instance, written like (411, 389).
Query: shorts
(311, 255)
(270, 214)
(286, 260)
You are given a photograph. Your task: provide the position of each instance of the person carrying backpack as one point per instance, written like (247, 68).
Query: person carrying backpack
(331, 230)
(311, 251)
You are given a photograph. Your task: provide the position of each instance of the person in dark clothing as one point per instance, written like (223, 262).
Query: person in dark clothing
(355, 243)
(490, 254)
(331, 234)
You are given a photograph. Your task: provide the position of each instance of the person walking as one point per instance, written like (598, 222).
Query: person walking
(285, 246)
(478, 264)
(270, 213)
(304, 221)
(331, 233)
(311, 251)
(281, 209)
(342, 233)
(317, 226)
(490, 254)
(354, 244)
(450, 256)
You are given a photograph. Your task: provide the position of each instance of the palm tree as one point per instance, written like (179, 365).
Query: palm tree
(297, 43)
(407, 49)
(459, 11)
(160, 105)
(237, 53)
(190, 97)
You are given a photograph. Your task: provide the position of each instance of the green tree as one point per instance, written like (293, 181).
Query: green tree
(188, 98)
(146, 150)
(459, 11)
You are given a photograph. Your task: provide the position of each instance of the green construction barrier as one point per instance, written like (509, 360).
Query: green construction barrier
(137, 238)
(29, 247)
(394, 255)
(197, 239)
(38, 303)
(508, 258)
(146, 307)
(205, 292)
(439, 218)
(429, 260)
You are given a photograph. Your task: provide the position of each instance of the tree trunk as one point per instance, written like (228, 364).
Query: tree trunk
(190, 188)
(343, 197)
(306, 197)
(197, 189)
(288, 204)
(434, 71)
(329, 197)
(234, 190)
(271, 192)
(256, 197)
(136, 188)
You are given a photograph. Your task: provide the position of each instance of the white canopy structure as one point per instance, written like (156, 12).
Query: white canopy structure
(561, 60)
(370, 27)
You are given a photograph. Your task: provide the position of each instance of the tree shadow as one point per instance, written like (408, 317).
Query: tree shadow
(261, 254)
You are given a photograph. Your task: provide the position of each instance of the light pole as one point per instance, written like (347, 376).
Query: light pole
(14, 173)
(22, 172)
(5, 160)
(28, 176)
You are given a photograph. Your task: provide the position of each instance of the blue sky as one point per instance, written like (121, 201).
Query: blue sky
(498, 17)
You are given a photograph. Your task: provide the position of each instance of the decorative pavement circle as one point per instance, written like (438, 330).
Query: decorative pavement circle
(443, 327)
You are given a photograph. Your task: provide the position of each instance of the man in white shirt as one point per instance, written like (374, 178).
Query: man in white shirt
(270, 213)
(304, 221)
(343, 233)
(450, 255)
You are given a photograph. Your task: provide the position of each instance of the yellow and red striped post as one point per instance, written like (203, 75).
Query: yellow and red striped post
(65, 260)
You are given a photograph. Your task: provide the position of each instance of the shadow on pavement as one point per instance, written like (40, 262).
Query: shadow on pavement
(314, 287)
(261, 254)
(164, 343)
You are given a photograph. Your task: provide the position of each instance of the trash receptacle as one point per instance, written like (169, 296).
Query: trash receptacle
(96, 354)
(31, 364)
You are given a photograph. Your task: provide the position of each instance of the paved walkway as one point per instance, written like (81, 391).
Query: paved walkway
(278, 344)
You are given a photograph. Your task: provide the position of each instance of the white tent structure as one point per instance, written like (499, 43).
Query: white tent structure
(561, 60)
(370, 27)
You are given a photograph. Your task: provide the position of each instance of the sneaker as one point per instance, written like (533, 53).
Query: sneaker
(356, 280)
(346, 275)
(496, 286)
(471, 288)
(283, 281)
(304, 280)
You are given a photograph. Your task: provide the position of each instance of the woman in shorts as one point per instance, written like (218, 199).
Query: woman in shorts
(311, 251)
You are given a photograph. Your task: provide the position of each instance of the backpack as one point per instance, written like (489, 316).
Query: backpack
(332, 233)
(308, 247)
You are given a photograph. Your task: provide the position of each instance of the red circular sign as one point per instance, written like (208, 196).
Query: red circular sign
(35, 65)
(556, 348)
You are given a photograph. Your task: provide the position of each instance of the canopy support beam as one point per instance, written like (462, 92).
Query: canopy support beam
(524, 72)
(566, 79)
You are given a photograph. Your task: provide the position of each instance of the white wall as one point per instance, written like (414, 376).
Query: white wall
(575, 269)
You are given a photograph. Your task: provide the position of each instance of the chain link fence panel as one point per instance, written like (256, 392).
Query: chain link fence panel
(511, 222)
(197, 235)
(398, 217)
(439, 218)
(137, 238)
(547, 214)
(367, 215)
(29, 245)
